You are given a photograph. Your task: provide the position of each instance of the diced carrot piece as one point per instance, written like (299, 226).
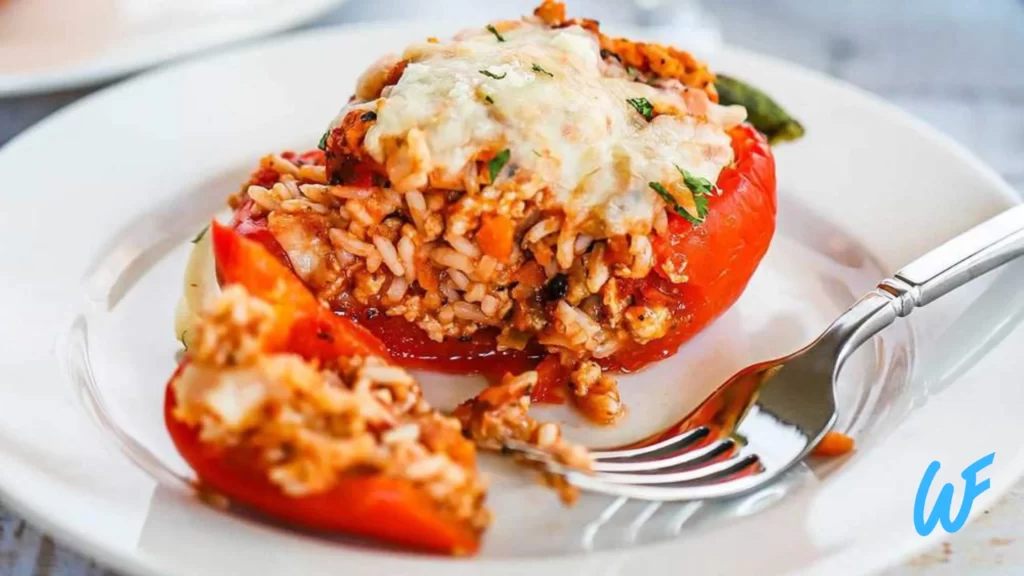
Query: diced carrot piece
(427, 275)
(496, 236)
(530, 275)
(834, 444)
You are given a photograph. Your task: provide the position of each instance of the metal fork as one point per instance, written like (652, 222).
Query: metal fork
(769, 416)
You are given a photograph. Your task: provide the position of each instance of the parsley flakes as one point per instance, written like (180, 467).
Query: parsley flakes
(698, 185)
(323, 141)
(490, 74)
(643, 106)
(665, 194)
(498, 162)
(701, 189)
(540, 69)
(369, 116)
(493, 30)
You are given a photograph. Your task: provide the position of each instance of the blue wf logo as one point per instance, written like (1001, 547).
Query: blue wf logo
(942, 512)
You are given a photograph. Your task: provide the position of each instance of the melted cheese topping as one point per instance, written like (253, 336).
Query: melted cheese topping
(547, 96)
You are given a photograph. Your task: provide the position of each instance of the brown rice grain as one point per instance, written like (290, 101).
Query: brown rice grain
(407, 252)
(469, 312)
(297, 205)
(489, 305)
(389, 255)
(583, 242)
(263, 197)
(485, 268)
(450, 292)
(463, 245)
(607, 348)
(476, 292)
(446, 315)
(359, 213)
(347, 242)
(460, 279)
(551, 269)
(597, 270)
(542, 229)
(345, 258)
(417, 208)
(436, 201)
(472, 179)
(351, 192)
(357, 230)
(547, 434)
(402, 434)
(315, 192)
(566, 242)
(448, 258)
(425, 468)
(373, 262)
(397, 290)
(283, 166)
(313, 173)
(291, 186)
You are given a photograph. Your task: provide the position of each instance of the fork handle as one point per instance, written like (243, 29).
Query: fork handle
(960, 260)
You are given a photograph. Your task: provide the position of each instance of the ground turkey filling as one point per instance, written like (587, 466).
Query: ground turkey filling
(468, 215)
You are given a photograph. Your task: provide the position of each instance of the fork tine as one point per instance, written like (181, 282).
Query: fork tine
(691, 457)
(709, 472)
(528, 451)
(674, 443)
(668, 493)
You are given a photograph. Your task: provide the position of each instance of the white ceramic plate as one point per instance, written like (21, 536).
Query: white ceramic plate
(49, 45)
(101, 199)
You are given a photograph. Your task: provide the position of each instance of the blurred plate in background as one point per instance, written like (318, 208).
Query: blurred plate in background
(47, 45)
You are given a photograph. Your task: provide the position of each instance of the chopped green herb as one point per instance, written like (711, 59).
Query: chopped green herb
(369, 116)
(539, 68)
(665, 195)
(537, 154)
(701, 189)
(323, 141)
(493, 30)
(200, 235)
(698, 185)
(498, 162)
(488, 99)
(699, 201)
(490, 74)
(181, 338)
(632, 71)
(643, 106)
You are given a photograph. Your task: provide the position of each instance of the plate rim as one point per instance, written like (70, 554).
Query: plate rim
(89, 73)
(95, 549)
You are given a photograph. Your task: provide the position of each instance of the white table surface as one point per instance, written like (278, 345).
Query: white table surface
(958, 64)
